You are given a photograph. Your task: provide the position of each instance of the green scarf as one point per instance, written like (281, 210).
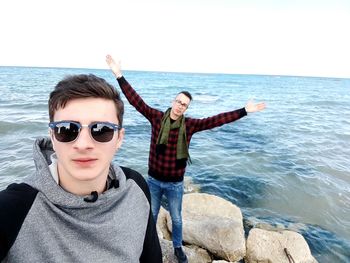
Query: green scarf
(166, 126)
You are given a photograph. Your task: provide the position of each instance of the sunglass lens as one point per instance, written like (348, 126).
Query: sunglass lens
(66, 131)
(102, 132)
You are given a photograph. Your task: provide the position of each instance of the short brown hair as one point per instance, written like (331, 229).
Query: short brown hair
(84, 86)
(186, 93)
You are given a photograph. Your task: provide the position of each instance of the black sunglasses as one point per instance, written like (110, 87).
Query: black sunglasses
(68, 131)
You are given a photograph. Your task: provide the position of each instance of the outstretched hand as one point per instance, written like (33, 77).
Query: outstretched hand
(114, 66)
(254, 107)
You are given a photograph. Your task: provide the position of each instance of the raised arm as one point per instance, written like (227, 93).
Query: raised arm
(225, 117)
(254, 107)
(114, 66)
(132, 96)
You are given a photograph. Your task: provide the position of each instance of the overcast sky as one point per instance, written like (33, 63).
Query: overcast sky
(281, 37)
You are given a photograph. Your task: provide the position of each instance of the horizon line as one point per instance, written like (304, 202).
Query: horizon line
(182, 72)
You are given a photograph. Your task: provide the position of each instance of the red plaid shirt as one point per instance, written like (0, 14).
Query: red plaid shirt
(162, 166)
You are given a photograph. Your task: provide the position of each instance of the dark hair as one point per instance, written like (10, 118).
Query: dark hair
(186, 93)
(84, 86)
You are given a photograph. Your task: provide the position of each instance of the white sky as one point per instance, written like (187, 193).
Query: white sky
(281, 37)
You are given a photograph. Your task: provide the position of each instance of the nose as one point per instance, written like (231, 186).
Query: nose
(84, 140)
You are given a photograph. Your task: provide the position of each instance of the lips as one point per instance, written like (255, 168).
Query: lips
(84, 161)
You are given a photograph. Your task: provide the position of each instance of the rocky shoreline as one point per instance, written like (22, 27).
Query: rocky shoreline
(213, 232)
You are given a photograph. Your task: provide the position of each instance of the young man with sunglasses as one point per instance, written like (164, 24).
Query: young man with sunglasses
(170, 140)
(78, 207)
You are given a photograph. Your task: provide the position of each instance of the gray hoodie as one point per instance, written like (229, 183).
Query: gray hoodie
(41, 222)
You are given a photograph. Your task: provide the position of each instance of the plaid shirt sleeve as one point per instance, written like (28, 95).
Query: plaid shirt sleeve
(136, 101)
(197, 125)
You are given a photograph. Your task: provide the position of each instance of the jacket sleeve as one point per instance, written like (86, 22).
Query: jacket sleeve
(151, 247)
(197, 125)
(15, 203)
(135, 100)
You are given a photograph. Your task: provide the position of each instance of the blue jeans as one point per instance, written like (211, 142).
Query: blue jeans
(173, 191)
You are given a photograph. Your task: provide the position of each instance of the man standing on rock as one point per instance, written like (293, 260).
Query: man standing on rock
(170, 140)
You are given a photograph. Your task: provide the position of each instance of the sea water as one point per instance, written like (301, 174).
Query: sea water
(286, 167)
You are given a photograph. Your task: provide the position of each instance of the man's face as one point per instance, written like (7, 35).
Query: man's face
(86, 161)
(179, 106)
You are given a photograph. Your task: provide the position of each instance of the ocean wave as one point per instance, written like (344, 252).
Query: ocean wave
(204, 98)
(21, 127)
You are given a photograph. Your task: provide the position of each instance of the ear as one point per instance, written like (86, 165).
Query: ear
(120, 139)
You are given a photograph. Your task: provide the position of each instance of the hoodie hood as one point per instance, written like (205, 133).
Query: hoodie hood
(43, 181)
(59, 226)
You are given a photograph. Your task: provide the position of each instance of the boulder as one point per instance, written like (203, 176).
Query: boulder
(194, 254)
(265, 246)
(221, 261)
(214, 224)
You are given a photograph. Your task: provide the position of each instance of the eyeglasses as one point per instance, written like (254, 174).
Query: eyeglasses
(68, 131)
(179, 103)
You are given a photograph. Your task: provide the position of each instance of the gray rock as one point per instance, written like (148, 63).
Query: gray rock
(265, 246)
(194, 254)
(214, 224)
